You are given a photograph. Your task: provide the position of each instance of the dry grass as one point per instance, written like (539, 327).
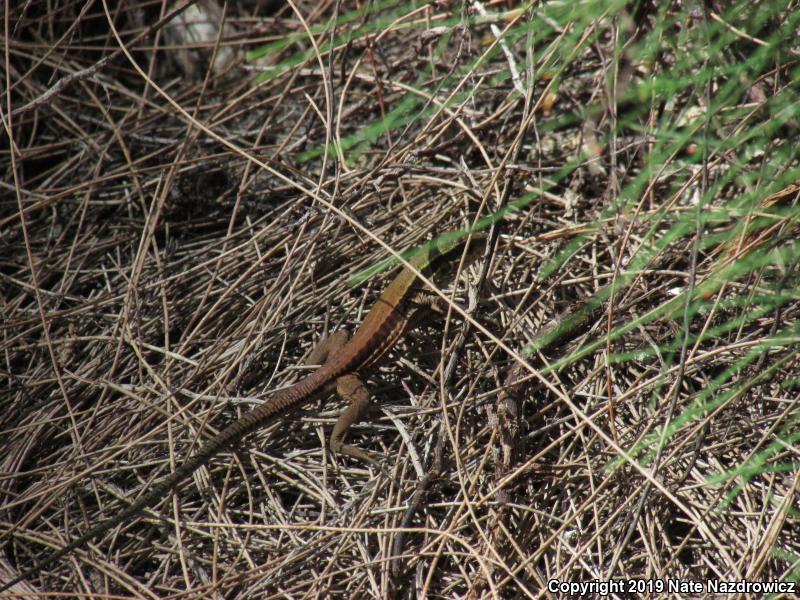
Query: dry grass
(175, 240)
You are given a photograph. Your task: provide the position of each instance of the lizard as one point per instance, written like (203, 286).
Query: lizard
(345, 362)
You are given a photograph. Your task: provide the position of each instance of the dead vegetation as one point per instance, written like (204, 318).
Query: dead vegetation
(175, 239)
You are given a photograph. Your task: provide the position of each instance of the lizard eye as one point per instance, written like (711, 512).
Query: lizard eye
(447, 269)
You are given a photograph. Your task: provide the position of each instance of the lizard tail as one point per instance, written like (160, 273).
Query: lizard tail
(258, 417)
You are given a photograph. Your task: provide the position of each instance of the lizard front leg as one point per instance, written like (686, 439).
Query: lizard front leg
(429, 302)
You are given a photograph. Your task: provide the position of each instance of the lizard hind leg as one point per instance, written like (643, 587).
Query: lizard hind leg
(327, 347)
(351, 388)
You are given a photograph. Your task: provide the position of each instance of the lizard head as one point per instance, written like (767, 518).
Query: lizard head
(441, 258)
